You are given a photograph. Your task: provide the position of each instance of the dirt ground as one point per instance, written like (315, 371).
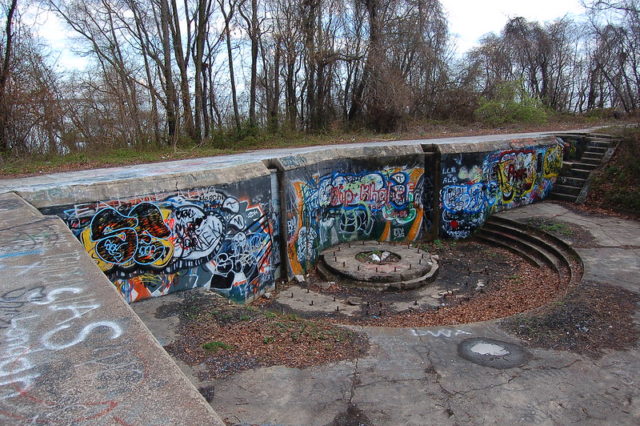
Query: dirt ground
(229, 338)
(591, 318)
(567, 231)
(476, 282)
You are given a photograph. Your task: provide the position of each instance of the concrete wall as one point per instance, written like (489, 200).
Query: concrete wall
(480, 180)
(157, 243)
(350, 194)
(73, 352)
(205, 223)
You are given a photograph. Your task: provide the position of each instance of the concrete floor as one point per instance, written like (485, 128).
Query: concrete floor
(418, 376)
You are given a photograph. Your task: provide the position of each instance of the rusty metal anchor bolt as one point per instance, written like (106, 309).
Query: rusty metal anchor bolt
(337, 308)
(311, 304)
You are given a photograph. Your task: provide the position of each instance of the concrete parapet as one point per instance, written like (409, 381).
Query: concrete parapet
(85, 188)
(73, 352)
(230, 223)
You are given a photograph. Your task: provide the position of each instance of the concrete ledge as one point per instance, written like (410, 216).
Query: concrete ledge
(293, 162)
(83, 186)
(73, 352)
(494, 146)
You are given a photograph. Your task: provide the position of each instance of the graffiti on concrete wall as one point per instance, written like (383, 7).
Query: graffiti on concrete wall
(326, 209)
(159, 244)
(476, 185)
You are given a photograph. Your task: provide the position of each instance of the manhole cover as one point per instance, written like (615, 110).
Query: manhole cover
(381, 265)
(493, 353)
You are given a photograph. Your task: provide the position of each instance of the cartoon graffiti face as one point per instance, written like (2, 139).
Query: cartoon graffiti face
(516, 174)
(197, 233)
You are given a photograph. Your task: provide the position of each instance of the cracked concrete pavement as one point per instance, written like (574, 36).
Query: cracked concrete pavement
(416, 376)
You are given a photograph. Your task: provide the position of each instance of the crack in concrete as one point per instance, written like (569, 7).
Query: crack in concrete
(549, 367)
(355, 381)
(430, 370)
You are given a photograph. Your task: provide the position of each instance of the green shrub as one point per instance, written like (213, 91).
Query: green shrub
(511, 104)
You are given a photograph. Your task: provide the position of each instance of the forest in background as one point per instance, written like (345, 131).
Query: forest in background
(170, 73)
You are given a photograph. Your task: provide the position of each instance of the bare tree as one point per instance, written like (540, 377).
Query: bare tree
(6, 57)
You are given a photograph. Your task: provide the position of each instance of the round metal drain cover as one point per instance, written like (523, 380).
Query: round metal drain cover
(493, 353)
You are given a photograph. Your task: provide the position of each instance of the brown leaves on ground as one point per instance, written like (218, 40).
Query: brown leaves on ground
(232, 338)
(528, 288)
(592, 317)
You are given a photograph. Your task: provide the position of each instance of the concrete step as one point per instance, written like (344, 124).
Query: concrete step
(527, 243)
(579, 173)
(602, 136)
(562, 197)
(591, 161)
(572, 262)
(597, 156)
(568, 189)
(514, 247)
(596, 150)
(573, 181)
(584, 166)
(599, 144)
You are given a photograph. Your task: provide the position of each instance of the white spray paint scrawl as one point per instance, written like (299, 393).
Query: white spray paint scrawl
(443, 332)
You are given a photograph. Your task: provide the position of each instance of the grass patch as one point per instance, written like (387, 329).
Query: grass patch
(551, 227)
(216, 346)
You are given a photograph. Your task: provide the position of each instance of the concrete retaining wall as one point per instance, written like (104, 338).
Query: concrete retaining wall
(479, 180)
(350, 194)
(227, 225)
(157, 243)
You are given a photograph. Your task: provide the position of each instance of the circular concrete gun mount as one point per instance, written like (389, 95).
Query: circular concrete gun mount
(411, 267)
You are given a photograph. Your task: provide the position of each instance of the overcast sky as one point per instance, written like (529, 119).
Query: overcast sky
(471, 19)
(468, 21)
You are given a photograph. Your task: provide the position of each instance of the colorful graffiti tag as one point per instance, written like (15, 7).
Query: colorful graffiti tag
(476, 185)
(324, 210)
(156, 245)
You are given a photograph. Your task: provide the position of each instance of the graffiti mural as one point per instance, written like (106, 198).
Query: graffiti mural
(476, 185)
(326, 209)
(159, 244)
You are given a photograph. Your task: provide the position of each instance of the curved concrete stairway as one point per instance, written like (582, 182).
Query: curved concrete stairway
(538, 247)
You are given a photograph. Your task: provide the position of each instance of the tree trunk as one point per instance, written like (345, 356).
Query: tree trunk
(4, 77)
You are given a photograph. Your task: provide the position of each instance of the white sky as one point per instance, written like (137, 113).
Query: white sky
(471, 19)
(468, 21)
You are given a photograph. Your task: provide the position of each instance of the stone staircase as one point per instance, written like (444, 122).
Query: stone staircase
(573, 182)
(540, 248)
